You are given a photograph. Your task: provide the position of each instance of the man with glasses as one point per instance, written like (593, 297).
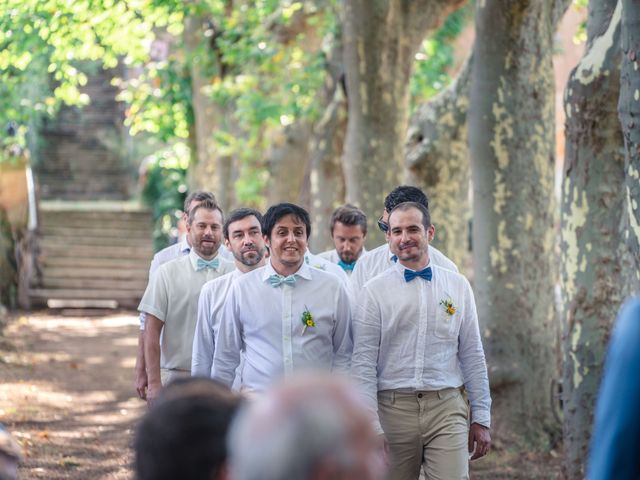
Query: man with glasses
(379, 259)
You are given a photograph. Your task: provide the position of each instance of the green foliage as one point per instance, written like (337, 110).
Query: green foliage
(581, 33)
(164, 191)
(435, 57)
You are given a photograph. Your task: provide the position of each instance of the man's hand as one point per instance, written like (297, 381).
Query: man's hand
(152, 392)
(479, 440)
(140, 371)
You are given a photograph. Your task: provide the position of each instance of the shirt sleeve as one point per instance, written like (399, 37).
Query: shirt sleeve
(155, 263)
(342, 333)
(226, 357)
(472, 362)
(155, 300)
(203, 341)
(366, 346)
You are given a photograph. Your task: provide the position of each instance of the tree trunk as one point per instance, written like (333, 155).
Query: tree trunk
(437, 157)
(592, 203)
(380, 41)
(629, 110)
(512, 142)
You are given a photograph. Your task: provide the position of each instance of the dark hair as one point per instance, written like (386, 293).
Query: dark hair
(349, 215)
(198, 196)
(403, 207)
(183, 434)
(276, 212)
(207, 205)
(239, 214)
(405, 193)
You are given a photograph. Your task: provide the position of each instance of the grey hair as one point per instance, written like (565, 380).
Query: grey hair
(276, 439)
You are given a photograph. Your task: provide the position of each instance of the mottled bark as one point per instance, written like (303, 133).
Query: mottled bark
(437, 157)
(512, 137)
(287, 162)
(380, 41)
(629, 111)
(592, 202)
(211, 170)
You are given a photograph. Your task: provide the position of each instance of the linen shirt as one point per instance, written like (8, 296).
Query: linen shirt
(265, 323)
(333, 257)
(320, 263)
(378, 260)
(173, 299)
(210, 303)
(404, 338)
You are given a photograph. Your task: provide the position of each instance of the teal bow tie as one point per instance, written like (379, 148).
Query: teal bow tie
(202, 264)
(347, 266)
(276, 280)
(426, 274)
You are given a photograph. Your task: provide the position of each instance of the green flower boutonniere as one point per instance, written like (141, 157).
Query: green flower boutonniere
(448, 306)
(307, 320)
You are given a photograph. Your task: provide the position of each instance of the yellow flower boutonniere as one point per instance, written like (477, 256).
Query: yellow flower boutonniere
(448, 306)
(307, 319)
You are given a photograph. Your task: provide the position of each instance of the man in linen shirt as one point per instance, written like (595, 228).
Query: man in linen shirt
(163, 256)
(379, 259)
(286, 316)
(171, 303)
(416, 342)
(348, 231)
(243, 237)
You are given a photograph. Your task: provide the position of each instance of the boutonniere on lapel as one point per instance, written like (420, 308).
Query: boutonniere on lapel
(307, 320)
(448, 306)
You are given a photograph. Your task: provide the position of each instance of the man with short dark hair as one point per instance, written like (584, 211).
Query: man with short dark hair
(416, 343)
(285, 316)
(242, 233)
(348, 229)
(379, 259)
(183, 434)
(171, 302)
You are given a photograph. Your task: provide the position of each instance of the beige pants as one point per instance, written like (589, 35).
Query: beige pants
(167, 376)
(428, 429)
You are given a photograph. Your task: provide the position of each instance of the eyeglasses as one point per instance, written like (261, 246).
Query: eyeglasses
(383, 226)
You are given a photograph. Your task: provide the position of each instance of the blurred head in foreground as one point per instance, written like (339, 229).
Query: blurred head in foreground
(314, 427)
(183, 434)
(10, 455)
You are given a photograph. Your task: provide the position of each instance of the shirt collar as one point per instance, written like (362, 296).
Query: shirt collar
(184, 247)
(193, 259)
(401, 268)
(304, 271)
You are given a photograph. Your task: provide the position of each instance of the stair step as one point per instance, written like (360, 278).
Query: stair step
(136, 285)
(76, 265)
(131, 272)
(73, 293)
(145, 252)
(77, 231)
(73, 241)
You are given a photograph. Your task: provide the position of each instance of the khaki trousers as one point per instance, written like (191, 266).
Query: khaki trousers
(167, 375)
(426, 429)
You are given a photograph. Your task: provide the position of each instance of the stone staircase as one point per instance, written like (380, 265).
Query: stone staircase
(93, 254)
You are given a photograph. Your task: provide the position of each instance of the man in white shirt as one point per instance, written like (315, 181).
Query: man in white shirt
(416, 343)
(286, 316)
(379, 259)
(348, 231)
(242, 233)
(171, 302)
(163, 256)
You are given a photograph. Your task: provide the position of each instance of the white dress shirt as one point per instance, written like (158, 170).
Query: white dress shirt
(379, 259)
(404, 339)
(266, 323)
(333, 257)
(210, 303)
(172, 297)
(320, 263)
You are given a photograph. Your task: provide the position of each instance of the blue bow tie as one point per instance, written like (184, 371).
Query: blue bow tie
(394, 258)
(425, 273)
(276, 280)
(347, 266)
(202, 264)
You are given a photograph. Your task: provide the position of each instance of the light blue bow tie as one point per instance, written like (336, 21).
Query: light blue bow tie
(276, 280)
(425, 273)
(202, 264)
(347, 266)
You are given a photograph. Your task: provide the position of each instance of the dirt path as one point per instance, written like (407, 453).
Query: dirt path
(66, 393)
